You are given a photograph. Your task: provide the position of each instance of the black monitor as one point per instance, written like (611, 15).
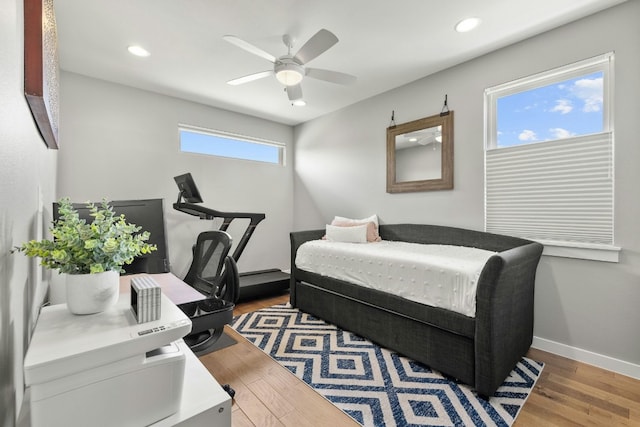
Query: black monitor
(188, 189)
(147, 214)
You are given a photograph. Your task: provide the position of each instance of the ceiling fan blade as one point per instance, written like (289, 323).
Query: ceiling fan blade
(250, 78)
(331, 76)
(294, 92)
(250, 48)
(319, 43)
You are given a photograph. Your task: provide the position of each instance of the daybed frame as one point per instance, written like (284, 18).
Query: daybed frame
(478, 351)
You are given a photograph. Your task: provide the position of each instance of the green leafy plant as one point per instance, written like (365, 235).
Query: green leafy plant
(106, 244)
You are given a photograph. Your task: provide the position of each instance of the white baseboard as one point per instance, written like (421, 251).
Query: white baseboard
(601, 361)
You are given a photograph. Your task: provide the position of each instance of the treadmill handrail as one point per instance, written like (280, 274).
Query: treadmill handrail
(208, 213)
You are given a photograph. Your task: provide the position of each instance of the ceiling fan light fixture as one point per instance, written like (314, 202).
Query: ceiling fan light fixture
(299, 103)
(289, 73)
(289, 77)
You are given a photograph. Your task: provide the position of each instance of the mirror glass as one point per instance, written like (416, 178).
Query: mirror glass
(420, 155)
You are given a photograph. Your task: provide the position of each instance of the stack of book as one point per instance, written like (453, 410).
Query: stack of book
(145, 298)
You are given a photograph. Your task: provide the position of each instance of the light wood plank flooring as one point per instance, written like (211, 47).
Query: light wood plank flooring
(568, 393)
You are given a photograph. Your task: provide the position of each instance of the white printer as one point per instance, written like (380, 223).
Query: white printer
(105, 369)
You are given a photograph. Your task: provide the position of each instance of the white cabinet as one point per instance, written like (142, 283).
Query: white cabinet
(105, 369)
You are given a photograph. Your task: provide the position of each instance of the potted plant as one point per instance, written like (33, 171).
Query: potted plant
(91, 255)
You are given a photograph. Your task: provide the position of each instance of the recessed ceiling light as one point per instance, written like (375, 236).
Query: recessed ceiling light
(467, 24)
(138, 50)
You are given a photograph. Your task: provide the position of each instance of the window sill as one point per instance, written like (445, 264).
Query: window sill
(593, 252)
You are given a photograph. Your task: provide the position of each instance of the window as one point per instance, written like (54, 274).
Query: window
(549, 159)
(223, 144)
(565, 109)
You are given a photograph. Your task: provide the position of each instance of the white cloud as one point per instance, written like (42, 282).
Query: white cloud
(527, 135)
(559, 133)
(563, 106)
(526, 108)
(590, 92)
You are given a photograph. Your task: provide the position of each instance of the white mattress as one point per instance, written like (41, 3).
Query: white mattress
(437, 275)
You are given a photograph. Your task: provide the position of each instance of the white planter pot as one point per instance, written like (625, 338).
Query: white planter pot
(92, 293)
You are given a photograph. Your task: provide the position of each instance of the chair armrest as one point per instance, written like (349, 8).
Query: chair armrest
(504, 314)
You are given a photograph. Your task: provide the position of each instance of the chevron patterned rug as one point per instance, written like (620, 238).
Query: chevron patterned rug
(373, 385)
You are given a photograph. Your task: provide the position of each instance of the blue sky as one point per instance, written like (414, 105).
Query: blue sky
(195, 142)
(561, 110)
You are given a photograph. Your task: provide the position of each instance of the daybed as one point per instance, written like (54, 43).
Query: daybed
(480, 351)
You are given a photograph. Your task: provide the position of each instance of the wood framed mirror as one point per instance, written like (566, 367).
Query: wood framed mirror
(420, 155)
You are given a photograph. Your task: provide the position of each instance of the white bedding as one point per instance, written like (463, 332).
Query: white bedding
(437, 275)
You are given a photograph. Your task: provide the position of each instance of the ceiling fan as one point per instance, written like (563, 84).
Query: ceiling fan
(291, 69)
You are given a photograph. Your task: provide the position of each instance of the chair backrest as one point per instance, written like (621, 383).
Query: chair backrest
(231, 282)
(209, 254)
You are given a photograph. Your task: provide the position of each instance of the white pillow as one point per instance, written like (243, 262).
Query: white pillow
(373, 218)
(373, 235)
(355, 234)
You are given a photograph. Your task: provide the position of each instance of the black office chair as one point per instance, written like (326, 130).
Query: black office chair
(213, 272)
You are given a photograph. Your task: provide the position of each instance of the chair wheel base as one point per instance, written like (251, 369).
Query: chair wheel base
(200, 342)
(229, 390)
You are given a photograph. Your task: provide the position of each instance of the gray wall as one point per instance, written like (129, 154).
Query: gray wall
(580, 305)
(123, 143)
(27, 175)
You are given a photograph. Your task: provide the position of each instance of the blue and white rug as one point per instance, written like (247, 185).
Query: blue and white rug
(373, 385)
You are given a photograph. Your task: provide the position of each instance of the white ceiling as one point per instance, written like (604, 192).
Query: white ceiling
(385, 44)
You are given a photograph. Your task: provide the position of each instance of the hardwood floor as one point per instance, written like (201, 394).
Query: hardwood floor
(568, 393)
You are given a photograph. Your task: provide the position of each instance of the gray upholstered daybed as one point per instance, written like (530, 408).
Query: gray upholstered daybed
(480, 351)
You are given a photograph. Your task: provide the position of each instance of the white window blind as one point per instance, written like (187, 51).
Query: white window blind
(552, 191)
(549, 159)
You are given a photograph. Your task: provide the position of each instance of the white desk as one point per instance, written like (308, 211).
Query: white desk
(174, 288)
(203, 402)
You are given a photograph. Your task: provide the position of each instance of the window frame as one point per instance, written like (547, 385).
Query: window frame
(602, 63)
(234, 137)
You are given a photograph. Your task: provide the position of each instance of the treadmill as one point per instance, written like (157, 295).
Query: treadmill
(254, 283)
